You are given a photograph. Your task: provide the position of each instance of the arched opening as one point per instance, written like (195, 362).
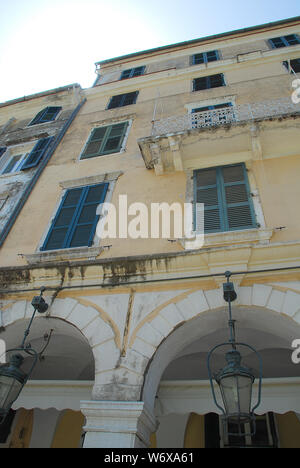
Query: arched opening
(65, 352)
(63, 375)
(177, 384)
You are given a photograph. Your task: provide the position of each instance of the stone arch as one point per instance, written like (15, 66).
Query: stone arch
(165, 320)
(88, 318)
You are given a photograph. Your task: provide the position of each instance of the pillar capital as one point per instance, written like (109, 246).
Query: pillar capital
(117, 424)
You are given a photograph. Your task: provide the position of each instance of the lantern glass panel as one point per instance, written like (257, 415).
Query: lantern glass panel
(9, 391)
(236, 392)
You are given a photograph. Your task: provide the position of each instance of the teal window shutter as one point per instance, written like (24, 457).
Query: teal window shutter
(37, 153)
(46, 115)
(76, 219)
(226, 196)
(105, 140)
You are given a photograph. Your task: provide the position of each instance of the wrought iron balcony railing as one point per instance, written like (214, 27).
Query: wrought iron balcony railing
(226, 115)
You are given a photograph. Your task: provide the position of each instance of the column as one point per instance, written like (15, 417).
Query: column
(117, 424)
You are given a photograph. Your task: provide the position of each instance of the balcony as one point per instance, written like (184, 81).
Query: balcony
(225, 116)
(237, 133)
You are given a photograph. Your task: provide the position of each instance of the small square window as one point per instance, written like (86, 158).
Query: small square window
(284, 41)
(207, 82)
(123, 100)
(132, 72)
(205, 57)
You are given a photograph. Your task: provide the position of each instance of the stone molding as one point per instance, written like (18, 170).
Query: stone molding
(119, 423)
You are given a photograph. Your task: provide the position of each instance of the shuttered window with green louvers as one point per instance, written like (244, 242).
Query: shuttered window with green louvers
(226, 196)
(105, 140)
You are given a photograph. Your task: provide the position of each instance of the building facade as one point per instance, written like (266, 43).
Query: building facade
(135, 302)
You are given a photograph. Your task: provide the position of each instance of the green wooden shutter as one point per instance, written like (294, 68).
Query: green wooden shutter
(226, 197)
(94, 144)
(105, 140)
(114, 138)
(236, 196)
(207, 192)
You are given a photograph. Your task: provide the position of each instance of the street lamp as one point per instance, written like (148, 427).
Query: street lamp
(235, 381)
(12, 377)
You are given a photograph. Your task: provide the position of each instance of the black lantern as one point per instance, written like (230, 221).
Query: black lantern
(235, 381)
(12, 377)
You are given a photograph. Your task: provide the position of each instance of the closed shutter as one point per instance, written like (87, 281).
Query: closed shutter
(226, 197)
(207, 192)
(76, 220)
(105, 140)
(37, 153)
(237, 198)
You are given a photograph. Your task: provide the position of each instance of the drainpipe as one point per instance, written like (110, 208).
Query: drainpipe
(37, 174)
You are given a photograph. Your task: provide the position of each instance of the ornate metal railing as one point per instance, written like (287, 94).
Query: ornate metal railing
(226, 115)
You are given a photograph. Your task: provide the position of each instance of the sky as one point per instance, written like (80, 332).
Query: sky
(45, 44)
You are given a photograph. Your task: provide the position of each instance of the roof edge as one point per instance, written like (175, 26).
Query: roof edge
(202, 39)
(39, 94)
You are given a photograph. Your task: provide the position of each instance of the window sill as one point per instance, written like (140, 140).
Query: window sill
(90, 253)
(218, 239)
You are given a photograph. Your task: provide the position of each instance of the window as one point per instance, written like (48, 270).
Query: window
(132, 72)
(207, 82)
(264, 437)
(37, 153)
(46, 115)
(292, 65)
(2, 150)
(76, 219)
(226, 197)
(123, 100)
(205, 57)
(284, 41)
(105, 140)
(13, 164)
